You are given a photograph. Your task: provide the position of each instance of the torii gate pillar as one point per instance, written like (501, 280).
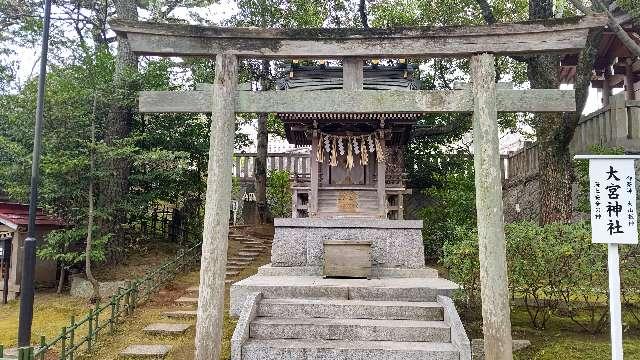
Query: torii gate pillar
(216, 213)
(491, 238)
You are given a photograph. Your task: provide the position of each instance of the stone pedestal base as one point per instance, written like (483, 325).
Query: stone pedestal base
(394, 243)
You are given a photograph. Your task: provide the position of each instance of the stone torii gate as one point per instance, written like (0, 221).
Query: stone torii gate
(481, 44)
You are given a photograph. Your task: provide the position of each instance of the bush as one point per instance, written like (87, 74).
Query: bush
(554, 270)
(279, 193)
(453, 207)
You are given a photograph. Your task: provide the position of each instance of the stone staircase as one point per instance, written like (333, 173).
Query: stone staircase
(243, 251)
(387, 319)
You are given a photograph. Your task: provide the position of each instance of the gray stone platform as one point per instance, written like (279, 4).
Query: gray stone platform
(394, 243)
(316, 287)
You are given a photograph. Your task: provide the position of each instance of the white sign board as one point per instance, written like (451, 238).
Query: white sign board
(614, 218)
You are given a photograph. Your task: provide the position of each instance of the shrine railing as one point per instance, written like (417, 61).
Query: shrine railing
(616, 125)
(244, 164)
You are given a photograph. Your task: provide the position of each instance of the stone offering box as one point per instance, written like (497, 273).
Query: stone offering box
(347, 258)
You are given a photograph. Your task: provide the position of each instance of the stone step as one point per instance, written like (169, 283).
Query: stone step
(242, 258)
(232, 273)
(350, 329)
(185, 300)
(252, 250)
(235, 267)
(317, 287)
(350, 309)
(238, 262)
(229, 281)
(248, 253)
(312, 349)
(193, 290)
(166, 329)
(181, 314)
(145, 351)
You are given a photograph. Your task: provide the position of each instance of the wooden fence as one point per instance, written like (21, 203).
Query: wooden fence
(244, 164)
(79, 337)
(616, 125)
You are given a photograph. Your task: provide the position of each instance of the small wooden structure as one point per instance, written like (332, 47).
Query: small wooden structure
(615, 66)
(356, 159)
(13, 222)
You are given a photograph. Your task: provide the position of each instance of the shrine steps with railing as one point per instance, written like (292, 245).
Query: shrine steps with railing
(314, 319)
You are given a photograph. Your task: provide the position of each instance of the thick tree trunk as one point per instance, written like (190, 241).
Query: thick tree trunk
(118, 126)
(261, 150)
(556, 171)
(555, 176)
(261, 168)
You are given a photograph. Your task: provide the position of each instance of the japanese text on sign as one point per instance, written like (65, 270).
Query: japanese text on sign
(613, 201)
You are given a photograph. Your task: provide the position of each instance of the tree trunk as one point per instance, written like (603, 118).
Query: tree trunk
(261, 168)
(63, 274)
(87, 251)
(118, 126)
(261, 150)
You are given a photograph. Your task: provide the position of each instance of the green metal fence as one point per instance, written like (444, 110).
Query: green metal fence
(80, 336)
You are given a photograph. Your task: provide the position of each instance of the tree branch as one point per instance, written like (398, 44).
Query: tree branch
(613, 24)
(362, 9)
(487, 13)
(622, 35)
(581, 7)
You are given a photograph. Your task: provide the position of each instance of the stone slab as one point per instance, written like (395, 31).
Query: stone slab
(193, 289)
(248, 253)
(350, 329)
(181, 314)
(232, 273)
(185, 300)
(316, 287)
(166, 328)
(146, 351)
(312, 349)
(376, 272)
(351, 309)
(348, 223)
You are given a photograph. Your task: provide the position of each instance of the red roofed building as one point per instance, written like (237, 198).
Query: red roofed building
(14, 218)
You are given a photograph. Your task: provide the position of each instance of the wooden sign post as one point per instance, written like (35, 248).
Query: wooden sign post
(614, 221)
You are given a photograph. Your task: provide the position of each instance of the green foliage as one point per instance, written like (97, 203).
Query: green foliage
(581, 168)
(554, 270)
(67, 246)
(279, 193)
(452, 207)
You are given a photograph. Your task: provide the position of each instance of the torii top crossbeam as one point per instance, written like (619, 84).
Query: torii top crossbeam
(559, 35)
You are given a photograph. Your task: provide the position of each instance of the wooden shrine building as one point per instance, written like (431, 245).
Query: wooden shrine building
(357, 167)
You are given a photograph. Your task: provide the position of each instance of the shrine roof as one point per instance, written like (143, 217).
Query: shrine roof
(16, 214)
(397, 75)
(329, 77)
